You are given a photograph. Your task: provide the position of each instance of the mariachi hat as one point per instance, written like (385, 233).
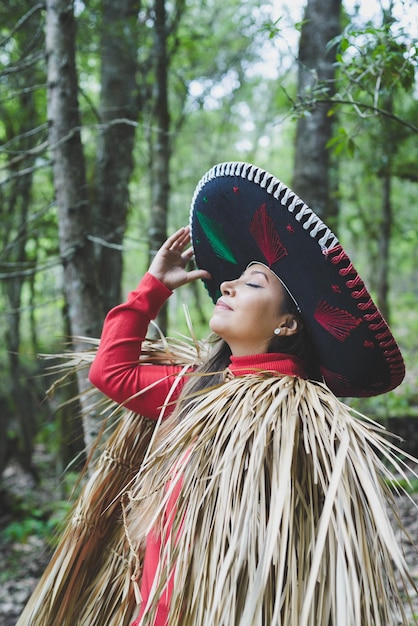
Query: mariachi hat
(241, 213)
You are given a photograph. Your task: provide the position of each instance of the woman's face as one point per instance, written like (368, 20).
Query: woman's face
(249, 310)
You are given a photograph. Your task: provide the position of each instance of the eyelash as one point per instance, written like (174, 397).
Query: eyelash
(253, 285)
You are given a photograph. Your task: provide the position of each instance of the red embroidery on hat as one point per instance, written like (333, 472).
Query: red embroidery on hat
(263, 231)
(372, 317)
(366, 306)
(337, 255)
(290, 228)
(336, 381)
(368, 344)
(356, 283)
(341, 385)
(235, 189)
(337, 322)
(362, 293)
(336, 288)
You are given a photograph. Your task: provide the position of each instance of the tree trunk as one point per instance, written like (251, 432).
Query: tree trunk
(119, 109)
(17, 205)
(160, 146)
(383, 247)
(22, 399)
(76, 250)
(312, 178)
(390, 147)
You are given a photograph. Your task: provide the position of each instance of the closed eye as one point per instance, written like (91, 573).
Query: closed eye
(254, 285)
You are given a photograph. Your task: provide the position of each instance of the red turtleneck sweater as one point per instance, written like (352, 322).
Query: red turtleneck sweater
(117, 373)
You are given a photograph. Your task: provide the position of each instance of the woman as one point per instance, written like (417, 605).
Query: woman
(261, 498)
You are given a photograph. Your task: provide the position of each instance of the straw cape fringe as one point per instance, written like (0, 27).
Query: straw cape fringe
(283, 500)
(283, 497)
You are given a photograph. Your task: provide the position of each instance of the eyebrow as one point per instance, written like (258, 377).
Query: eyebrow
(260, 272)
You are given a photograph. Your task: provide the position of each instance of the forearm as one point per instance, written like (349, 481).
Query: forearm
(116, 370)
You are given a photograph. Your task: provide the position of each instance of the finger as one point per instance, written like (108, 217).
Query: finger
(184, 239)
(172, 241)
(188, 254)
(180, 243)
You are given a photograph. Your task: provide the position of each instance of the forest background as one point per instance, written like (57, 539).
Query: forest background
(112, 110)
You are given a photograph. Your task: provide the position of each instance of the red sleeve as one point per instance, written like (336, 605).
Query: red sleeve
(116, 370)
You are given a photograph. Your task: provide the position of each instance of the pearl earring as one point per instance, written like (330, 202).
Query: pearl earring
(277, 331)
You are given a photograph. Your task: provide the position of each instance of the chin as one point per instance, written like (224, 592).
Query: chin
(212, 323)
(216, 328)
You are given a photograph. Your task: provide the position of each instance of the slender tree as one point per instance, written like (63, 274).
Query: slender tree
(312, 178)
(378, 72)
(21, 130)
(74, 216)
(119, 110)
(160, 142)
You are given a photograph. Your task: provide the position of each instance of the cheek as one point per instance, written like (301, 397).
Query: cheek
(257, 318)
(268, 316)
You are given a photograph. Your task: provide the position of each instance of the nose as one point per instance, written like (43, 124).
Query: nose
(227, 288)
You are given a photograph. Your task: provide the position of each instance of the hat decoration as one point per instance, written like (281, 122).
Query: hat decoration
(241, 213)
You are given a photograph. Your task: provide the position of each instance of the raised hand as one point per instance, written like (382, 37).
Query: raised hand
(169, 264)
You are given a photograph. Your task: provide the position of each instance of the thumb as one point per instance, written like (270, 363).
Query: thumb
(196, 274)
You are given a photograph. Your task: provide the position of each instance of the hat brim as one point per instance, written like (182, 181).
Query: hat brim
(241, 213)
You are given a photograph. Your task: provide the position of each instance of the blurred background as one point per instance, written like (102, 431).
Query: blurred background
(110, 112)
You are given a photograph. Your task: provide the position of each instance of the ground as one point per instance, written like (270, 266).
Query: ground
(24, 562)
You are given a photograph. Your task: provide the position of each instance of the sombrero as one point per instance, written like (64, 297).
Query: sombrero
(241, 213)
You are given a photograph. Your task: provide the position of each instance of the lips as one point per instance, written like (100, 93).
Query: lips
(222, 305)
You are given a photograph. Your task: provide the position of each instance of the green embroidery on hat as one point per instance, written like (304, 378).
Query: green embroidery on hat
(216, 237)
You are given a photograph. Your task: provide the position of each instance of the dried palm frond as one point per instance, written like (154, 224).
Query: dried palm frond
(282, 515)
(179, 349)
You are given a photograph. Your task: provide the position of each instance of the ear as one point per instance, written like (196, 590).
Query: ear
(289, 325)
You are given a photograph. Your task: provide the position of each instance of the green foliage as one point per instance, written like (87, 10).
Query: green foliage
(395, 403)
(35, 522)
(406, 486)
(377, 58)
(376, 63)
(272, 28)
(34, 527)
(341, 143)
(38, 516)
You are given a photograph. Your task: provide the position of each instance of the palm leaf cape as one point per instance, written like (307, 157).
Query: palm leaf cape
(281, 518)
